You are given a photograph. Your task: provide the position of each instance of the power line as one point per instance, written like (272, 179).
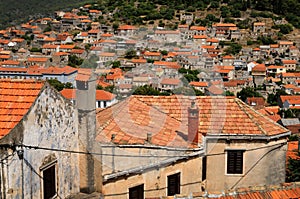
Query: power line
(119, 155)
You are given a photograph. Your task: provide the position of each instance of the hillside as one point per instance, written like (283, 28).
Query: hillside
(159, 12)
(13, 12)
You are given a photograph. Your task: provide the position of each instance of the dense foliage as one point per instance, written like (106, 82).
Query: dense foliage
(139, 12)
(14, 12)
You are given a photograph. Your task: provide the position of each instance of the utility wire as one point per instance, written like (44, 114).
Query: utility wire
(124, 155)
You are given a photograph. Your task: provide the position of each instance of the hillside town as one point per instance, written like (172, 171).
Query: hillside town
(95, 111)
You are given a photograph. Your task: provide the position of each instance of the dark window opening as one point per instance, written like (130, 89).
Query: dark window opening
(235, 162)
(204, 162)
(136, 192)
(49, 185)
(174, 184)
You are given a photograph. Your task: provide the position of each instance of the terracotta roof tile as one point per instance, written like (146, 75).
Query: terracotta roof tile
(16, 97)
(136, 116)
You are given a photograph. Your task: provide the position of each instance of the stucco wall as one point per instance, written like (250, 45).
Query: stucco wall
(51, 124)
(264, 164)
(155, 180)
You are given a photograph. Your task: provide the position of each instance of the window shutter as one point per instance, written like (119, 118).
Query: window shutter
(174, 184)
(235, 162)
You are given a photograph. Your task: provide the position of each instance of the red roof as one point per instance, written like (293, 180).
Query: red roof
(292, 151)
(170, 81)
(163, 116)
(199, 84)
(101, 95)
(285, 191)
(259, 68)
(16, 97)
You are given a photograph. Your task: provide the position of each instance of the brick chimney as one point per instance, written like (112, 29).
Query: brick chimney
(193, 121)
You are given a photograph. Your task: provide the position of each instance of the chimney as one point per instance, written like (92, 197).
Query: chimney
(149, 137)
(193, 121)
(86, 112)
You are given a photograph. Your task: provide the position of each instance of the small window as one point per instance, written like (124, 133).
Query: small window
(136, 192)
(174, 184)
(204, 163)
(49, 182)
(235, 162)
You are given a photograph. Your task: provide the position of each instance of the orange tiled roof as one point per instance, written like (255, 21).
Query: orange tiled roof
(259, 68)
(292, 99)
(136, 116)
(285, 43)
(101, 95)
(286, 191)
(67, 46)
(173, 65)
(16, 97)
(201, 28)
(127, 27)
(10, 62)
(259, 24)
(199, 84)
(289, 61)
(292, 151)
(170, 81)
(200, 36)
(84, 74)
(37, 59)
(147, 53)
(139, 61)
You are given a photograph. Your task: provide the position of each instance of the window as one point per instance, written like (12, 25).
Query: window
(174, 184)
(49, 182)
(235, 162)
(204, 163)
(136, 192)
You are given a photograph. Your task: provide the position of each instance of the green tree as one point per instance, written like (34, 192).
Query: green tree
(293, 170)
(145, 90)
(74, 61)
(233, 49)
(131, 53)
(56, 84)
(247, 92)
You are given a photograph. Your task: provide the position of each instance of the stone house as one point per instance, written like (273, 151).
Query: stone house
(103, 98)
(290, 65)
(169, 84)
(167, 36)
(259, 74)
(37, 125)
(154, 141)
(259, 27)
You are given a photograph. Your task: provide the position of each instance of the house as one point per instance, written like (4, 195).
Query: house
(103, 98)
(259, 27)
(227, 60)
(126, 30)
(39, 61)
(106, 58)
(290, 65)
(199, 86)
(256, 102)
(37, 125)
(274, 70)
(169, 84)
(156, 56)
(221, 138)
(288, 78)
(289, 101)
(259, 74)
(167, 36)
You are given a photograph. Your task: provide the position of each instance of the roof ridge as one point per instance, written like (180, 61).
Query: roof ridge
(239, 103)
